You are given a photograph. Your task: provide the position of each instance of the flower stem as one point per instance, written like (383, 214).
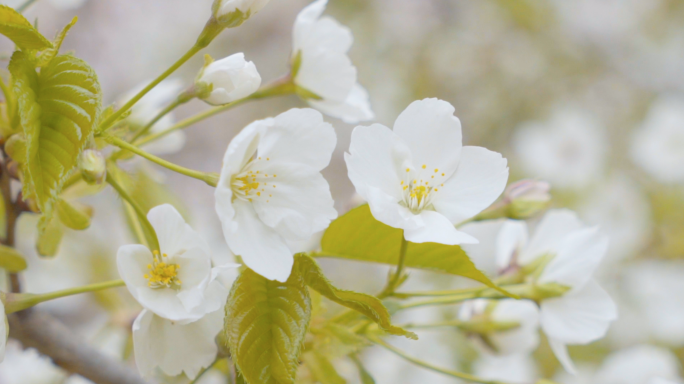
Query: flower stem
(159, 116)
(115, 116)
(20, 301)
(426, 365)
(277, 88)
(150, 234)
(524, 290)
(209, 178)
(395, 280)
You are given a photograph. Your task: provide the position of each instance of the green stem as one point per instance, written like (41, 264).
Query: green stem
(426, 365)
(393, 282)
(524, 290)
(209, 178)
(25, 5)
(115, 116)
(151, 234)
(20, 301)
(154, 121)
(278, 88)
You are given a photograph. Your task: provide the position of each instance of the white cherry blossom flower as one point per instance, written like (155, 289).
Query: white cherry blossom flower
(177, 283)
(568, 150)
(419, 177)
(27, 366)
(271, 191)
(638, 365)
(148, 107)
(231, 78)
(520, 340)
(322, 67)
(658, 146)
(224, 8)
(173, 347)
(568, 253)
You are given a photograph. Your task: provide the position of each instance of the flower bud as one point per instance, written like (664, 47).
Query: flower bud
(93, 166)
(526, 198)
(231, 13)
(227, 80)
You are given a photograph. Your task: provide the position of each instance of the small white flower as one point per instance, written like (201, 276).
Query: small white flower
(568, 150)
(28, 367)
(148, 107)
(638, 365)
(658, 146)
(224, 8)
(569, 253)
(419, 177)
(177, 283)
(519, 340)
(231, 78)
(173, 347)
(320, 46)
(271, 190)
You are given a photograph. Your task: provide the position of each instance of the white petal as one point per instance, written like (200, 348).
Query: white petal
(323, 34)
(578, 317)
(432, 133)
(479, 180)
(387, 210)
(550, 232)
(509, 242)
(437, 229)
(175, 348)
(561, 351)
(261, 248)
(132, 261)
(579, 255)
(299, 136)
(483, 253)
(297, 203)
(328, 74)
(306, 18)
(174, 234)
(371, 161)
(355, 108)
(167, 144)
(523, 339)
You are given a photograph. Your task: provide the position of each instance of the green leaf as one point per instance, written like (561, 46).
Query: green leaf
(11, 260)
(50, 53)
(322, 369)
(50, 238)
(358, 235)
(266, 322)
(16, 148)
(367, 305)
(73, 217)
(20, 31)
(58, 109)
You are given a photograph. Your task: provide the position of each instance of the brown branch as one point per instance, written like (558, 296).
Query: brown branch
(36, 329)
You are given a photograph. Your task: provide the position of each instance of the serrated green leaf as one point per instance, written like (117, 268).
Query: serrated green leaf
(367, 305)
(50, 53)
(358, 235)
(20, 31)
(11, 260)
(266, 322)
(50, 238)
(73, 217)
(16, 148)
(322, 369)
(58, 109)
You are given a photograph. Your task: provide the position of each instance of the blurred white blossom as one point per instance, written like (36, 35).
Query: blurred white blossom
(638, 365)
(231, 78)
(518, 368)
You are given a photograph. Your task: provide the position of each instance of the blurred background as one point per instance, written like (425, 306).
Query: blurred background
(585, 94)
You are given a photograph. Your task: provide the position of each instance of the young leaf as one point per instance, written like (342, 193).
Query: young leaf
(50, 53)
(58, 109)
(50, 238)
(367, 305)
(73, 217)
(11, 260)
(266, 322)
(322, 369)
(358, 236)
(20, 31)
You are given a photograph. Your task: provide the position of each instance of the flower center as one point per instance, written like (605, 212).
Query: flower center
(162, 274)
(420, 187)
(251, 184)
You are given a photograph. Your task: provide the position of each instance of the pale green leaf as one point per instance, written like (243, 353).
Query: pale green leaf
(74, 217)
(11, 260)
(58, 109)
(266, 322)
(358, 235)
(20, 31)
(322, 369)
(50, 53)
(368, 305)
(16, 148)
(50, 238)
